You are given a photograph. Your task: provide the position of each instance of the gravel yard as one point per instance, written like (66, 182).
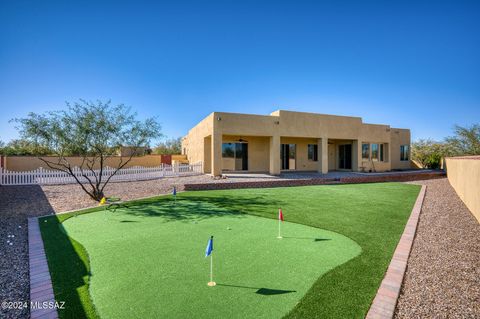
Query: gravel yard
(443, 274)
(16, 204)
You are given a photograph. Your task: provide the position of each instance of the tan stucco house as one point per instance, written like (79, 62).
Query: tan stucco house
(286, 140)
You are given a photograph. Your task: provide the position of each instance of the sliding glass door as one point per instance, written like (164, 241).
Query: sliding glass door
(345, 156)
(288, 156)
(235, 156)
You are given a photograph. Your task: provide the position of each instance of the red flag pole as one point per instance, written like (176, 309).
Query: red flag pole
(280, 219)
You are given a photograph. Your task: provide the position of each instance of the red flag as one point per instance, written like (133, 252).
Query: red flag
(280, 215)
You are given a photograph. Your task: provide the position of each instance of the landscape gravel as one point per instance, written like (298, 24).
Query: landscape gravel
(443, 272)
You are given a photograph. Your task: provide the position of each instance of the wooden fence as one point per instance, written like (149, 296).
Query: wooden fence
(43, 176)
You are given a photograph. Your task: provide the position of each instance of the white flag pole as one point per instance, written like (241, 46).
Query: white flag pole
(211, 283)
(211, 267)
(279, 230)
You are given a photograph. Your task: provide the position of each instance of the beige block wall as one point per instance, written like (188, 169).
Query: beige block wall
(179, 157)
(29, 163)
(464, 176)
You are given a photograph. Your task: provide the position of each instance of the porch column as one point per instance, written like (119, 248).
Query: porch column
(355, 152)
(216, 154)
(275, 155)
(322, 155)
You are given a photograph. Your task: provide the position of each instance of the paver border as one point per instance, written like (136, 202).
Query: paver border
(42, 298)
(385, 302)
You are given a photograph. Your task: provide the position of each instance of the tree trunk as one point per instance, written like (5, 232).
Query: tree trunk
(97, 194)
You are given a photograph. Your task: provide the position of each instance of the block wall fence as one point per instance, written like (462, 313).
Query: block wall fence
(464, 176)
(30, 163)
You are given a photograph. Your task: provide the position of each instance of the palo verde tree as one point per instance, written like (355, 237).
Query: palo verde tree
(170, 146)
(466, 140)
(92, 131)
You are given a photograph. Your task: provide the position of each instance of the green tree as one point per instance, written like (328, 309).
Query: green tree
(93, 131)
(23, 147)
(429, 153)
(170, 146)
(466, 140)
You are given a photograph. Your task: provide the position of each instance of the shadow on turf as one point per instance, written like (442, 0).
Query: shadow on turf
(309, 238)
(68, 268)
(261, 291)
(194, 208)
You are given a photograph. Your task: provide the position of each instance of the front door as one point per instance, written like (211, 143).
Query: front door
(345, 156)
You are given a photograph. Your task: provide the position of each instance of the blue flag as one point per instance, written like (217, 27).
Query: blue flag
(209, 249)
(174, 191)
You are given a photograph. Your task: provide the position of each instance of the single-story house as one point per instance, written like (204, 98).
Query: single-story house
(286, 140)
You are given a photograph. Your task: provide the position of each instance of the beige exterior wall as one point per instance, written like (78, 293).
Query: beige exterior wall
(265, 134)
(400, 137)
(464, 176)
(197, 144)
(28, 163)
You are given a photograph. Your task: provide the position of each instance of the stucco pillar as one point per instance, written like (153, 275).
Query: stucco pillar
(275, 155)
(355, 154)
(323, 155)
(216, 151)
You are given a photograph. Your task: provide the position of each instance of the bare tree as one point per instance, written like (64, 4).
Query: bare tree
(92, 131)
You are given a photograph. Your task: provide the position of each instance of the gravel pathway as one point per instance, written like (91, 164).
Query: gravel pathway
(443, 272)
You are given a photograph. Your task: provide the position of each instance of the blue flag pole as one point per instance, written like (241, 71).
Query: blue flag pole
(209, 252)
(175, 195)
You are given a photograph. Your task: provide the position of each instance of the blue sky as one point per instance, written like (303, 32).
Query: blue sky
(412, 65)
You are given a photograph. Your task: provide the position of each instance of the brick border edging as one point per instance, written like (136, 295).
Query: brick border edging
(315, 181)
(41, 288)
(385, 302)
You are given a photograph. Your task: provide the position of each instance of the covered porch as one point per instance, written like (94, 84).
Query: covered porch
(277, 154)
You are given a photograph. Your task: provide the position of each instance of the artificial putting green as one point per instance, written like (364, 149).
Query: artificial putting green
(154, 267)
(372, 216)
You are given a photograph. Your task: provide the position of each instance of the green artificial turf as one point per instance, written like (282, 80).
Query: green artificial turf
(161, 263)
(150, 255)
